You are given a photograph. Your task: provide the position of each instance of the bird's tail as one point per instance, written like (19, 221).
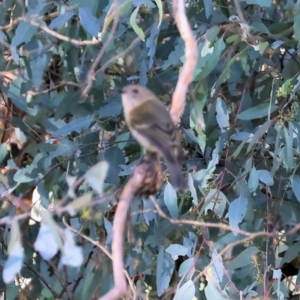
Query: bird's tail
(176, 178)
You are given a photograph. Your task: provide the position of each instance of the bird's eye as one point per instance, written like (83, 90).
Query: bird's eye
(135, 91)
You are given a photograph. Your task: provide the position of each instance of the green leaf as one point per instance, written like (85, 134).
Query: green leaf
(151, 44)
(262, 3)
(186, 291)
(222, 114)
(164, 271)
(79, 203)
(187, 268)
(14, 263)
(241, 136)
(14, 93)
(176, 250)
(295, 182)
(45, 243)
(243, 259)
(265, 177)
(15, 254)
(76, 125)
(226, 72)
(170, 200)
(69, 102)
(205, 65)
(14, 236)
(253, 180)
(112, 108)
(208, 8)
(137, 29)
(38, 63)
(28, 174)
(257, 112)
(114, 157)
(213, 291)
(286, 87)
(160, 11)
(72, 254)
(51, 224)
(96, 175)
(122, 140)
(192, 189)
(259, 26)
(291, 253)
(215, 200)
(258, 134)
(297, 22)
(108, 228)
(23, 34)
(174, 56)
(3, 152)
(88, 21)
(236, 212)
(288, 147)
(61, 20)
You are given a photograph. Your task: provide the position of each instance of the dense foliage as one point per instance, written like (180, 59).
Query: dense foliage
(240, 128)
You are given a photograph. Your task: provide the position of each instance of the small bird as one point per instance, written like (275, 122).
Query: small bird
(151, 125)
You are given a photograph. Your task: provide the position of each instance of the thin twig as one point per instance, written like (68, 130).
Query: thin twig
(63, 37)
(90, 75)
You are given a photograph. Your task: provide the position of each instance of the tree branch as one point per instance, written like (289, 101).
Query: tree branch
(147, 177)
(191, 54)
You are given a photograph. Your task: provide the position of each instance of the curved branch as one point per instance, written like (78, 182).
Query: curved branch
(147, 177)
(191, 54)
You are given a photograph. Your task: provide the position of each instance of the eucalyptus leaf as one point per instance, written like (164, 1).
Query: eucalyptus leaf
(291, 253)
(175, 250)
(243, 259)
(215, 200)
(76, 125)
(61, 20)
(14, 263)
(138, 30)
(217, 267)
(262, 3)
(186, 291)
(45, 243)
(72, 254)
(295, 182)
(50, 223)
(253, 180)
(88, 21)
(265, 177)
(24, 33)
(96, 175)
(78, 203)
(236, 212)
(257, 112)
(170, 200)
(258, 134)
(164, 271)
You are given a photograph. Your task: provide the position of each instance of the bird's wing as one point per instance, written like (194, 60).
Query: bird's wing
(158, 128)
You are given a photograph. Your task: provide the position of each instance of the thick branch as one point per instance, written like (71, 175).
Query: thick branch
(191, 54)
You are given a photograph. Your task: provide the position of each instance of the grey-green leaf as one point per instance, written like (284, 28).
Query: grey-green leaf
(257, 112)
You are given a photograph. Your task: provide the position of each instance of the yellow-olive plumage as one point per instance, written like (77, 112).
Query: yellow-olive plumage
(151, 125)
